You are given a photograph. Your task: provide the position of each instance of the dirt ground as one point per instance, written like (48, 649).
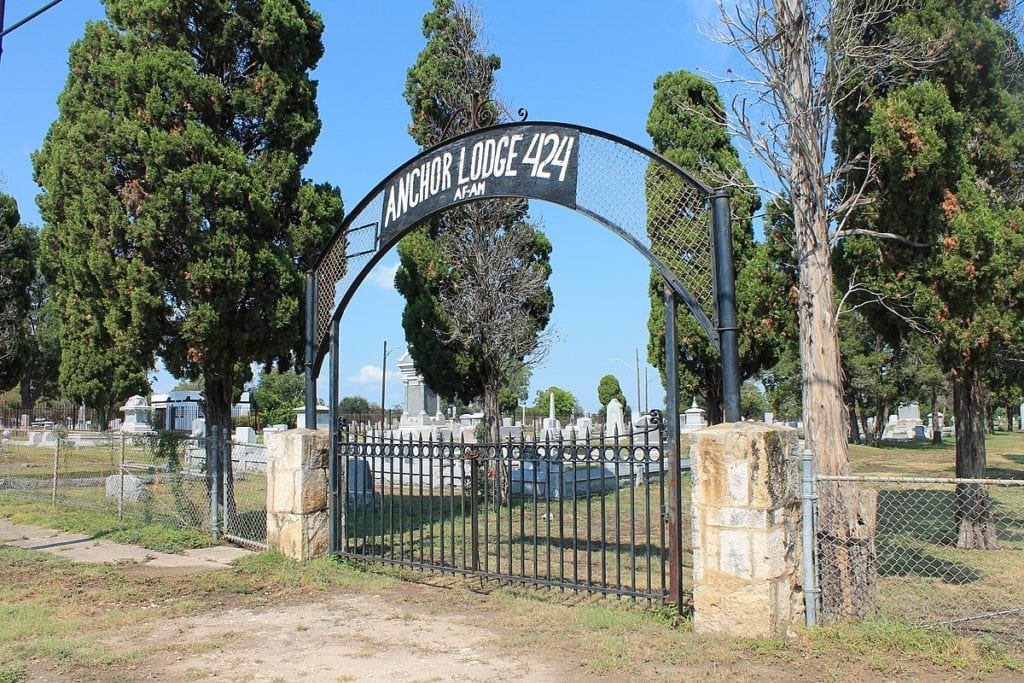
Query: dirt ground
(347, 638)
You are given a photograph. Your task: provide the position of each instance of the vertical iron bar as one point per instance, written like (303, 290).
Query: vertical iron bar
(401, 499)
(809, 556)
(590, 546)
(430, 493)
(725, 277)
(632, 521)
(335, 511)
(474, 506)
(575, 523)
(441, 495)
(500, 491)
(675, 520)
(310, 349)
(523, 499)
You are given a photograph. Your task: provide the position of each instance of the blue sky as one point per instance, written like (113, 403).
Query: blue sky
(587, 63)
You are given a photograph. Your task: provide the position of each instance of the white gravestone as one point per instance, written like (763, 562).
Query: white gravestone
(245, 435)
(134, 489)
(614, 423)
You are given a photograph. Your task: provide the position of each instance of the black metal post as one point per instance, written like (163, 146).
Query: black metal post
(674, 512)
(310, 349)
(725, 277)
(335, 509)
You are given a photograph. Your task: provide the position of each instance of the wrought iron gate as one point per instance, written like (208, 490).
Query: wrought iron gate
(587, 514)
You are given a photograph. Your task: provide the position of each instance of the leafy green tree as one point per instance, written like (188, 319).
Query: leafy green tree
(475, 280)
(355, 405)
(752, 402)
(775, 269)
(277, 395)
(608, 388)
(565, 403)
(172, 190)
(515, 391)
(17, 270)
(687, 125)
(948, 188)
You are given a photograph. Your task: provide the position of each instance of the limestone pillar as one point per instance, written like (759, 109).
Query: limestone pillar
(297, 490)
(746, 530)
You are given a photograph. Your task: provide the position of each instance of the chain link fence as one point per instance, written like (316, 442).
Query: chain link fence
(947, 553)
(162, 478)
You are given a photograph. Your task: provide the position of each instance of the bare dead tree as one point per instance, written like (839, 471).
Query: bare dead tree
(493, 300)
(806, 59)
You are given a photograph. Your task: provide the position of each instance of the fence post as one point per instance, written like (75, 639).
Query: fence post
(120, 488)
(226, 471)
(213, 460)
(809, 556)
(56, 457)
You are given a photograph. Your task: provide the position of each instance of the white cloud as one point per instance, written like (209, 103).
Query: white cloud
(384, 275)
(368, 374)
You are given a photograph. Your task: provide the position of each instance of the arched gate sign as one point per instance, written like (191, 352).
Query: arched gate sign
(677, 223)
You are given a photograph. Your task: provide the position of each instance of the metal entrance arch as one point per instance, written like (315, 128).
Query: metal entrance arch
(677, 223)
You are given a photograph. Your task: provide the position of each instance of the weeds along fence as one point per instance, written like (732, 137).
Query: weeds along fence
(163, 478)
(926, 574)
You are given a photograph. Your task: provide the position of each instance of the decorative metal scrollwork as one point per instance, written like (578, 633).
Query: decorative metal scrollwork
(478, 114)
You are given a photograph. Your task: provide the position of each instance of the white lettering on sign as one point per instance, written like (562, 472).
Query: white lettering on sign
(545, 156)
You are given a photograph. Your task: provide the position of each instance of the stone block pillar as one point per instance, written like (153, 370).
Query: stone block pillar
(297, 490)
(746, 529)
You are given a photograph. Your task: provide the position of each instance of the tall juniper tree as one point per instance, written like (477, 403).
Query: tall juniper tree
(949, 184)
(18, 246)
(474, 280)
(687, 126)
(177, 221)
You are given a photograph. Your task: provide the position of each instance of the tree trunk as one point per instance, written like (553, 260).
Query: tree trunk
(713, 394)
(846, 516)
(936, 427)
(854, 425)
(501, 466)
(881, 419)
(976, 527)
(217, 395)
(864, 429)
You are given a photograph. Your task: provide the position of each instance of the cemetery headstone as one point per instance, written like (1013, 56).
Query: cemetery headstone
(614, 423)
(134, 490)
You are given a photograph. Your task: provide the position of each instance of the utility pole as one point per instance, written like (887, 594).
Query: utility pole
(638, 404)
(383, 384)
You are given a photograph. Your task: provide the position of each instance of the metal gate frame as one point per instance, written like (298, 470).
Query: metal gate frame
(710, 263)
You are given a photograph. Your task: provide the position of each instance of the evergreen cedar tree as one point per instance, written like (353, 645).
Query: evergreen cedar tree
(608, 388)
(949, 182)
(17, 271)
(177, 221)
(687, 126)
(448, 71)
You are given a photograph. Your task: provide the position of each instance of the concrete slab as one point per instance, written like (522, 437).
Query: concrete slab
(51, 543)
(103, 552)
(221, 554)
(81, 548)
